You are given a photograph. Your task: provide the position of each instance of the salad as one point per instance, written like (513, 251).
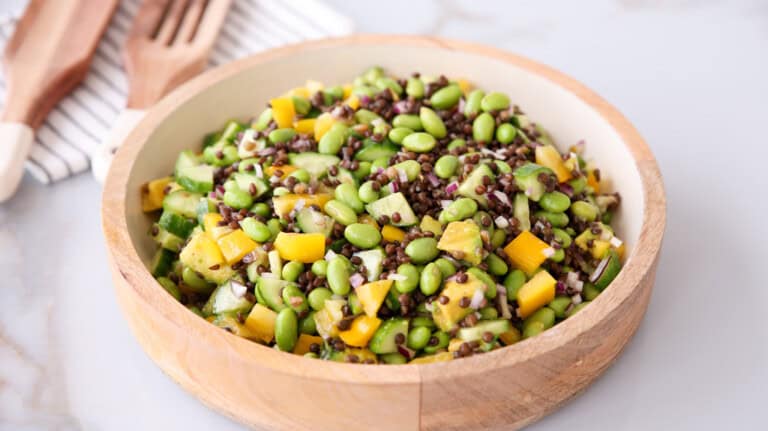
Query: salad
(390, 220)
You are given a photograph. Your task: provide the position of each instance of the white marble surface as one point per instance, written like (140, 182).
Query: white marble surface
(690, 74)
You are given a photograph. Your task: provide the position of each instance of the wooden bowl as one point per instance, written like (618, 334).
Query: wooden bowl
(504, 389)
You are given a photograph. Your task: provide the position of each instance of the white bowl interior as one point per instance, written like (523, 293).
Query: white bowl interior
(244, 95)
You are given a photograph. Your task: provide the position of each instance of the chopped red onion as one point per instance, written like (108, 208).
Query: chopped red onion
(501, 222)
(268, 275)
(400, 107)
(462, 103)
(337, 112)
(567, 189)
(432, 178)
(477, 299)
(502, 197)
(408, 353)
(571, 278)
(578, 286)
(445, 202)
(299, 205)
(616, 242)
(599, 270)
(402, 176)
(212, 195)
(579, 147)
(452, 187)
(238, 289)
(528, 191)
(356, 280)
(560, 287)
(330, 254)
(576, 299)
(267, 151)
(394, 187)
(548, 252)
(258, 170)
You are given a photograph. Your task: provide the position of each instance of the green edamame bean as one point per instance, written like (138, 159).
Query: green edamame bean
(397, 134)
(409, 121)
(293, 297)
(347, 193)
(170, 287)
(442, 342)
(228, 155)
(584, 210)
(556, 219)
(506, 133)
(340, 212)
(320, 268)
(494, 101)
(488, 313)
(286, 329)
(362, 235)
(562, 237)
(301, 175)
(255, 229)
(238, 199)
(364, 90)
(422, 250)
(367, 194)
(532, 329)
(333, 140)
(362, 171)
(578, 184)
(261, 209)
(338, 276)
(274, 226)
(460, 209)
(498, 237)
(430, 279)
(559, 305)
(411, 281)
(472, 106)
(380, 163)
(421, 321)
(263, 120)
(419, 142)
(418, 338)
(446, 97)
(576, 309)
(513, 282)
(282, 135)
(590, 292)
(372, 74)
(447, 268)
(412, 168)
(432, 123)
(292, 270)
(393, 359)
(414, 87)
(503, 166)
(335, 93)
(364, 116)
(384, 83)
(496, 265)
(230, 185)
(456, 143)
(482, 127)
(317, 297)
(542, 319)
(307, 324)
(559, 255)
(446, 166)
(555, 202)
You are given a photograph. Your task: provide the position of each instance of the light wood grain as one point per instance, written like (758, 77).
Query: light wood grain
(501, 390)
(49, 54)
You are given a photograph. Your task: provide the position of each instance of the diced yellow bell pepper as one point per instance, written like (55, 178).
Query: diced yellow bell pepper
(526, 252)
(153, 194)
(600, 248)
(448, 315)
(304, 247)
(464, 85)
(372, 295)
(391, 234)
(212, 228)
(314, 86)
(285, 169)
(305, 126)
(367, 219)
(235, 245)
(455, 344)
(283, 111)
(347, 90)
(510, 337)
(620, 250)
(304, 341)
(593, 182)
(261, 321)
(361, 331)
(438, 357)
(547, 155)
(323, 123)
(284, 204)
(353, 102)
(536, 293)
(203, 255)
(428, 223)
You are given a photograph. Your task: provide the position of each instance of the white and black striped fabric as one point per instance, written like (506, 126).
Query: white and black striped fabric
(81, 120)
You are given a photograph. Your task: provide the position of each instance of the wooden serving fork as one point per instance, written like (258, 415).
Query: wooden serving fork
(168, 43)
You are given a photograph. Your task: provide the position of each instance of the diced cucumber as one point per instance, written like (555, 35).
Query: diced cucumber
(495, 327)
(176, 224)
(372, 261)
(224, 300)
(611, 270)
(527, 179)
(182, 202)
(244, 182)
(197, 179)
(390, 204)
(161, 263)
(374, 150)
(231, 129)
(311, 221)
(345, 176)
(211, 138)
(522, 212)
(468, 187)
(383, 341)
(186, 159)
(167, 240)
(315, 163)
(205, 206)
(270, 288)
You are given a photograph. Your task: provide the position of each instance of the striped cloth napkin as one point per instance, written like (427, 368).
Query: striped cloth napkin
(83, 119)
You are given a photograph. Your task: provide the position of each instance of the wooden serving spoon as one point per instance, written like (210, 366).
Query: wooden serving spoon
(168, 43)
(47, 56)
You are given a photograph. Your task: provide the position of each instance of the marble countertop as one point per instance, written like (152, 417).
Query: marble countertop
(691, 75)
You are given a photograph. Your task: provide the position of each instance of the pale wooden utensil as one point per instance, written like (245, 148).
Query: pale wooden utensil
(47, 56)
(168, 43)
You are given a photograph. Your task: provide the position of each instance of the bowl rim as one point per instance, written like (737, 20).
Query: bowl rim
(127, 263)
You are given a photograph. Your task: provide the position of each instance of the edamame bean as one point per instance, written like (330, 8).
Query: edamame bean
(340, 212)
(420, 321)
(292, 270)
(274, 226)
(301, 175)
(372, 74)
(335, 93)
(280, 191)
(414, 87)
(347, 193)
(367, 194)
(503, 166)
(407, 120)
(238, 199)
(559, 305)
(261, 209)
(293, 297)
(576, 309)
(460, 209)
(488, 313)
(263, 120)
(430, 279)
(354, 303)
(338, 275)
(422, 250)
(559, 255)
(230, 185)
(307, 324)
(255, 229)
(590, 292)
(556, 219)
(442, 342)
(446, 166)
(584, 210)
(472, 105)
(506, 133)
(362, 235)
(482, 127)
(364, 116)
(419, 142)
(412, 168)
(381, 127)
(286, 329)
(229, 155)
(282, 135)
(578, 184)
(333, 139)
(393, 359)
(418, 338)
(562, 237)
(496, 265)
(447, 268)
(555, 202)
(446, 97)
(389, 83)
(397, 134)
(363, 90)
(380, 163)
(538, 322)
(513, 282)
(318, 296)
(456, 143)
(494, 101)
(320, 268)
(432, 123)
(411, 281)
(498, 237)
